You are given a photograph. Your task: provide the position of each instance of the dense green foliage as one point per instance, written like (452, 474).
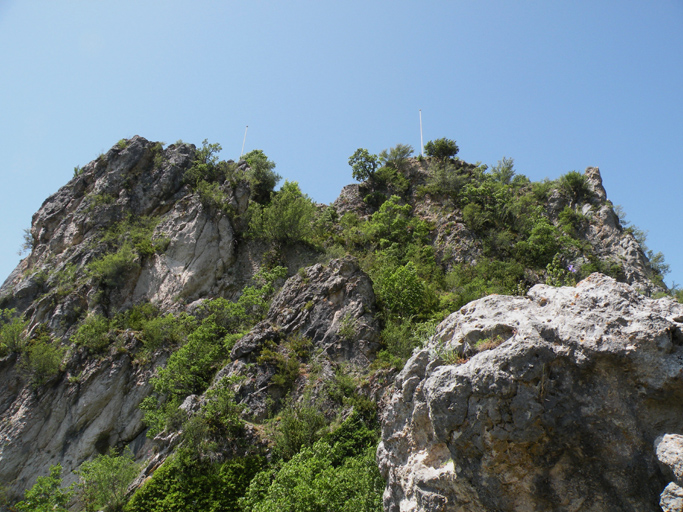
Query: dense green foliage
(262, 177)
(12, 327)
(47, 494)
(288, 218)
(363, 164)
(336, 473)
(199, 486)
(441, 149)
(103, 481)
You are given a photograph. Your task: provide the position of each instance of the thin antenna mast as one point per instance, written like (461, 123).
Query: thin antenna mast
(422, 147)
(245, 140)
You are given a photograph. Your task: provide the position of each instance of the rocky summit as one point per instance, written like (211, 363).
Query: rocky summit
(443, 337)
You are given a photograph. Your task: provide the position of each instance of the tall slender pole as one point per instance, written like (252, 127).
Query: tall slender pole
(245, 140)
(422, 147)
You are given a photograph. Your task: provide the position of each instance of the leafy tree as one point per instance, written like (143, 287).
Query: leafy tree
(205, 164)
(103, 481)
(261, 175)
(441, 149)
(47, 494)
(503, 171)
(287, 219)
(363, 165)
(402, 291)
(396, 157)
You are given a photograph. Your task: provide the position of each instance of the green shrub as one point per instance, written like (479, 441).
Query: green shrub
(41, 361)
(205, 165)
(572, 222)
(112, 269)
(103, 481)
(93, 334)
(286, 363)
(441, 149)
(402, 291)
(287, 219)
(575, 186)
(396, 157)
(216, 426)
(12, 336)
(503, 171)
(47, 494)
(211, 196)
(261, 176)
(299, 425)
(541, 245)
(400, 338)
(444, 178)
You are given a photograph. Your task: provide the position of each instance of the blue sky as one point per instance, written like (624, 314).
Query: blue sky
(558, 86)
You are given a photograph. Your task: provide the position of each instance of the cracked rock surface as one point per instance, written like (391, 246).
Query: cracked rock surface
(562, 414)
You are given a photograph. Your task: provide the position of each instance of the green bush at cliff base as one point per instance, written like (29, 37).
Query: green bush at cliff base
(47, 494)
(337, 473)
(182, 486)
(103, 481)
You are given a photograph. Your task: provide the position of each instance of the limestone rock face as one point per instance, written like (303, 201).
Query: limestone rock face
(561, 415)
(72, 421)
(140, 180)
(331, 305)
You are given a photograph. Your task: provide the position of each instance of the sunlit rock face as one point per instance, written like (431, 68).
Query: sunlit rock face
(560, 411)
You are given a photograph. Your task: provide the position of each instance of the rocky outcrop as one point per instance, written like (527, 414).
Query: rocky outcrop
(70, 421)
(551, 401)
(136, 180)
(331, 306)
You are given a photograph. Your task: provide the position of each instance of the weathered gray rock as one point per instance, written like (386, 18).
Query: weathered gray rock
(331, 305)
(72, 420)
(138, 180)
(562, 415)
(669, 450)
(672, 498)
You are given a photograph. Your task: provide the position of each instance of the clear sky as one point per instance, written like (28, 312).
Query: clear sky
(558, 86)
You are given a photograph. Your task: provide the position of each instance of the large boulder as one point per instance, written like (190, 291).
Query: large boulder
(553, 401)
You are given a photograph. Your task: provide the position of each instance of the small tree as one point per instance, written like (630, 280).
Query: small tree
(442, 149)
(363, 164)
(288, 218)
(397, 156)
(104, 481)
(47, 494)
(261, 175)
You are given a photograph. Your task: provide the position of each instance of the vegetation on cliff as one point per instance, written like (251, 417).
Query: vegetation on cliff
(431, 234)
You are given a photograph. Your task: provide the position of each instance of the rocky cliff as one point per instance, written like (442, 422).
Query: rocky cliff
(559, 400)
(173, 237)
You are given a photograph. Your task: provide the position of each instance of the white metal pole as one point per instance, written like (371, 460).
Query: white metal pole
(245, 140)
(422, 147)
